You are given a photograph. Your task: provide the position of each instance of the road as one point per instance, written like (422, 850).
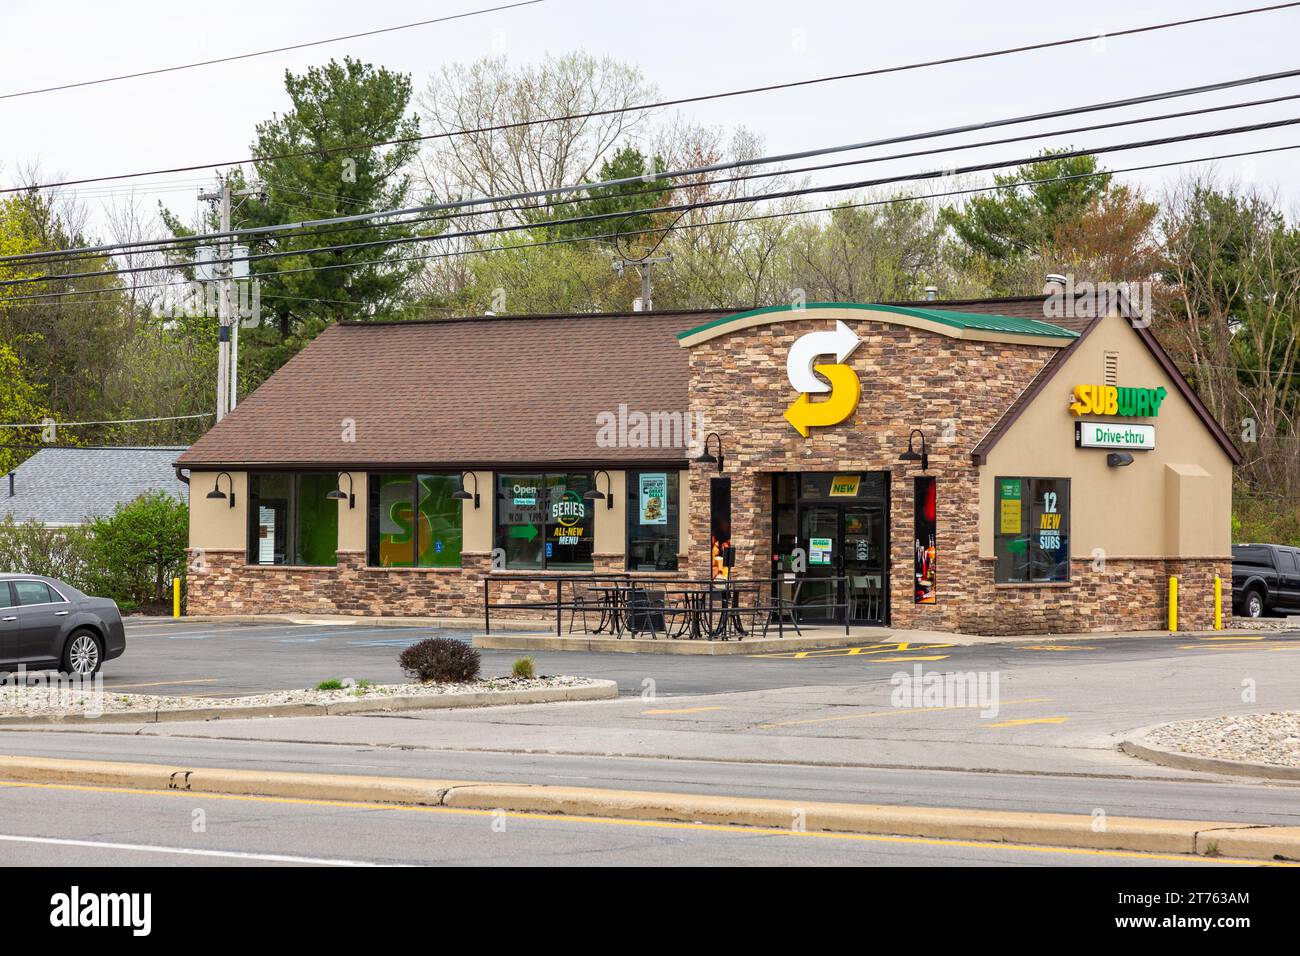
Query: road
(106, 828)
(821, 726)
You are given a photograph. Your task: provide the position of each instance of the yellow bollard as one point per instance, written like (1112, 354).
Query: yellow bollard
(1173, 602)
(1218, 603)
(176, 597)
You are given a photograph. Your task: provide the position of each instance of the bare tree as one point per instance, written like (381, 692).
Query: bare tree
(527, 156)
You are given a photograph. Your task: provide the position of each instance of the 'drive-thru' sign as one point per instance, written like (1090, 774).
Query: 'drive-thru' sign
(1114, 435)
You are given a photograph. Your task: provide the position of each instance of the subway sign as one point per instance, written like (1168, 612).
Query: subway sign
(1113, 400)
(1114, 435)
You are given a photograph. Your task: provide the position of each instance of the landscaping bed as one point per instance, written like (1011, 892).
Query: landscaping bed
(45, 700)
(1272, 739)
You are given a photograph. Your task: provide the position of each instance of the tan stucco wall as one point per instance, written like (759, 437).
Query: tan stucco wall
(352, 521)
(214, 525)
(611, 523)
(476, 523)
(1173, 501)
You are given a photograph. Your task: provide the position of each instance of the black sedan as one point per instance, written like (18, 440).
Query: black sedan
(46, 624)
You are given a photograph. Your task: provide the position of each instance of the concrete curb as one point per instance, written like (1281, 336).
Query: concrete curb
(596, 690)
(999, 826)
(664, 645)
(328, 620)
(1138, 745)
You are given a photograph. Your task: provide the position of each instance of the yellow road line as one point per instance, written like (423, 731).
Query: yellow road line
(1029, 720)
(900, 711)
(1264, 645)
(163, 683)
(683, 710)
(1058, 647)
(865, 650)
(667, 825)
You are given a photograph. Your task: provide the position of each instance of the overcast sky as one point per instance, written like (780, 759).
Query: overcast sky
(207, 115)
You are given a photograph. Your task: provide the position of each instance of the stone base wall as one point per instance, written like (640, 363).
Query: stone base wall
(1129, 594)
(221, 582)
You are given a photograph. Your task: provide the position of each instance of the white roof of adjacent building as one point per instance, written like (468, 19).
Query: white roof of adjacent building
(68, 486)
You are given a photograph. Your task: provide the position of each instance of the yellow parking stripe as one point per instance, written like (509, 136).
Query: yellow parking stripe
(1030, 720)
(682, 710)
(900, 710)
(894, 647)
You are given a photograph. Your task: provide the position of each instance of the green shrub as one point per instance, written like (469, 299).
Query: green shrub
(332, 684)
(136, 552)
(524, 667)
(440, 659)
(32, 548)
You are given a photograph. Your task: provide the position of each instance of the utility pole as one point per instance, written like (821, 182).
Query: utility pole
(227, 323)
(643, 267)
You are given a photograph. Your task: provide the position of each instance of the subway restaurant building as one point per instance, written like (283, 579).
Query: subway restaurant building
(993, 466)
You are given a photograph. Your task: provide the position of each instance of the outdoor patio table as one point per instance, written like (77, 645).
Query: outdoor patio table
(613, 601)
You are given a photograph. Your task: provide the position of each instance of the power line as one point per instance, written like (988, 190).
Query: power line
(679, 207)
(681, 101)
(719, 222)
(681, 173)
(120, 421)
(185, 243)
(257, 53)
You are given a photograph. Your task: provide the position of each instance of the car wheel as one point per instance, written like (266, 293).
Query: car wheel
(1254, 604)
(83, 654)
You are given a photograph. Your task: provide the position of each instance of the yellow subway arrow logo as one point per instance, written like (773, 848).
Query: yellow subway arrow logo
(846, 389)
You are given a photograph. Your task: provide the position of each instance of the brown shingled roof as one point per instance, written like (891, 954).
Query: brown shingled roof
(481, 391)
(462, 393)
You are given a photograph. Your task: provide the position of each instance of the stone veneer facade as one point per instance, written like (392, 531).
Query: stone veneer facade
(222, 582)
(955, 390)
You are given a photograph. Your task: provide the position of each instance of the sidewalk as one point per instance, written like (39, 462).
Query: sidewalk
(532, 633)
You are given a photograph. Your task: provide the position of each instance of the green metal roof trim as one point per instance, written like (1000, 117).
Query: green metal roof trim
(958, 320)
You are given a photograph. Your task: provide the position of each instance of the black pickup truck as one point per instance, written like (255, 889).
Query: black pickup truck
(1265, 579)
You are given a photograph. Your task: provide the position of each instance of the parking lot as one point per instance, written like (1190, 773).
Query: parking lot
(223, 660)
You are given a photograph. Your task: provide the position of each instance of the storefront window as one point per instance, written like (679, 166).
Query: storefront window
(290, 521)
(1031, 541)
(543, 521)
(653, 520)
(414, 521)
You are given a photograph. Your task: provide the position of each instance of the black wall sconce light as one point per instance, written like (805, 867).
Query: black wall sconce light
(217, 494)
(462, 494)
(597, 495)
(708, 457)
(912, 455)
(338, 494)
(1118, 459)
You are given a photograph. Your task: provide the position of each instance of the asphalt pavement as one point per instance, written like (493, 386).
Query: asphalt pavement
(115, 828)
(817, 726)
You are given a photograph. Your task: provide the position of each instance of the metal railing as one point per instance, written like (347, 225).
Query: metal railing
(665, 605)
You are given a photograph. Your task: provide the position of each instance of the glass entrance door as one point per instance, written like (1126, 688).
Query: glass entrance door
(821, 537)
(864, 563)
(847, 571)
